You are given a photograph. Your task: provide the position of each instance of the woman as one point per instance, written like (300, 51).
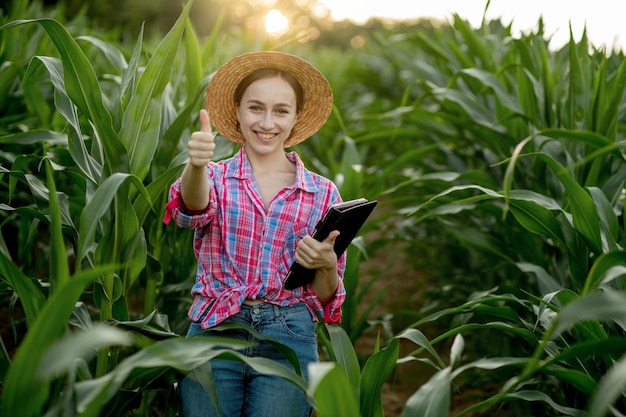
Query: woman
(253, 216)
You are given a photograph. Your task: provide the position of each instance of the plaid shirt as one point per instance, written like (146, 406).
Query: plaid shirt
(244, 251)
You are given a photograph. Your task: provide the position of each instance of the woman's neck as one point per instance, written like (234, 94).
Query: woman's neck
(266, 164)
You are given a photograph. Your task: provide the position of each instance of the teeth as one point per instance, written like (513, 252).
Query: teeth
(265, 135)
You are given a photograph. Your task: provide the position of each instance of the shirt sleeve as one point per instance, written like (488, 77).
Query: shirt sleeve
(331, 312)
(175, 209)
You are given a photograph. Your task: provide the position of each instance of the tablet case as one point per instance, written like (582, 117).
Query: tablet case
(347, 217)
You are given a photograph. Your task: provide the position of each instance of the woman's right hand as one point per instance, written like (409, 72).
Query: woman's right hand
(194, 185)
(201, 144)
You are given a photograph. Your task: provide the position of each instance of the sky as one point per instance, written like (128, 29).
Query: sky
(604, 19)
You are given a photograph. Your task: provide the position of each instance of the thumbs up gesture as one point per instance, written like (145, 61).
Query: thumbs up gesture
(201, 144)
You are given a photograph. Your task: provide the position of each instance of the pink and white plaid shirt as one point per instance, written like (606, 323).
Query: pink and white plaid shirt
(244, 251)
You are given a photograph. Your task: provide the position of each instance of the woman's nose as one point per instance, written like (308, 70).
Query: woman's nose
(267, 121)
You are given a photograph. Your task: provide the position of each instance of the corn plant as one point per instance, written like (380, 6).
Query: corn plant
(109, 137)
(518, 158)
(114, 142)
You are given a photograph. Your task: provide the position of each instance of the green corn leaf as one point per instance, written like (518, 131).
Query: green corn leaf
(492, 82)
(345, 355)
(140, 131)
(33, 95)
(609, 347)
(60, 357)
(154, 190)
(9, 71)
(472, 108)
(597, 98)
(598, 306)
(479, 240)
(610, 389)
(584, 136)
(420, 339)
(499, 326)
(129, 75)
(285, 350)
(35, 136)
(578, 379)
(112, 53)
(608, 118)
(547, 284)
(49, 325)
(433, 398)
(607, 268)
(194, 69)
(99, 206)
(59, 267)
(29, 291)
(89, 166)
(375, 372)
(473, 41)
(528, 396)
(536, 219)
(584, 212)
(331, 391)
(529, 94)
(82, 87)
(608, 219)
(490, 364)
(183, 354)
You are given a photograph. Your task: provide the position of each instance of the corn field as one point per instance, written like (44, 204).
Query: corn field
(498, 163)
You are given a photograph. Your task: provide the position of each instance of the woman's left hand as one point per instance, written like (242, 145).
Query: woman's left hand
(320, 256)
(312, 254)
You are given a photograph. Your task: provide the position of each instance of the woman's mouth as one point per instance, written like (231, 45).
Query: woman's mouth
(265, 136)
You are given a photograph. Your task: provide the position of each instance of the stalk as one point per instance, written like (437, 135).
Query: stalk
(108, 284)
(154, 277)
(106, 313)
(59, 268)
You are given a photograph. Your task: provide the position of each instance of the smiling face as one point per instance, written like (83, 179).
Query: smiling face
(267, 112)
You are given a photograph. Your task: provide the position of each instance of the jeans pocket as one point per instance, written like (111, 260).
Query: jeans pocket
(300, 326)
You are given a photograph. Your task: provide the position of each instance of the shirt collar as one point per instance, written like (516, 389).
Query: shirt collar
(239, 167)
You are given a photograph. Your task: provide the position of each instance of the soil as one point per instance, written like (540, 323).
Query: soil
(405, 288)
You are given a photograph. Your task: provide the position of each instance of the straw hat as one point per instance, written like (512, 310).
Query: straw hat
(220, 101)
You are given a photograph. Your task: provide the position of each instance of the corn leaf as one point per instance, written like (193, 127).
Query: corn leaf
(182, 354)
(99, 206)
(432, 399)
(598, 306)
(345, 355)
(28, 290)
(82, 87)
(331, 391)
(375, 372)
(49, 325)
(583, 209)
(610, 389)
(607, 268)
(140, 131)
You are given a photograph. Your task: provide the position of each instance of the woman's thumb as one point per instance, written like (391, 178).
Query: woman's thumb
(205, 122)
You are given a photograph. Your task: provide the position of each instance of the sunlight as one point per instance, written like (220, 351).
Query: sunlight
(276, 23)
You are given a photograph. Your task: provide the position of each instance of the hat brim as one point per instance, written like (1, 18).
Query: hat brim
(220, 94)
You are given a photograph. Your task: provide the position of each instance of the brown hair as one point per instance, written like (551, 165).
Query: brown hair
(268, 73)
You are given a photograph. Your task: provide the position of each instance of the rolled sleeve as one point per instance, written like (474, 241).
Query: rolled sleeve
(183, 217)
(332, 310)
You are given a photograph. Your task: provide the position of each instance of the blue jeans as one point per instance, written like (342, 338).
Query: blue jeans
(243, 392)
